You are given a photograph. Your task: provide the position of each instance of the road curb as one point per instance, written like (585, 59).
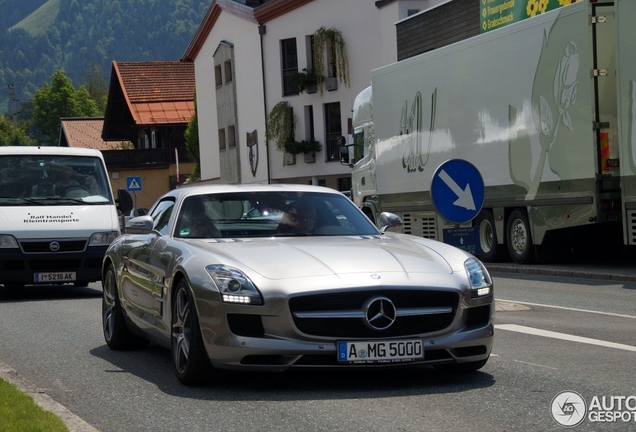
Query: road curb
(596, 275)
(44, 401)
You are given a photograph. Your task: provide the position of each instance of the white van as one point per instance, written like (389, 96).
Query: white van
(57, 215)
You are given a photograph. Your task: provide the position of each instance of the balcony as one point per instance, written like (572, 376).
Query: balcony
(143, 158)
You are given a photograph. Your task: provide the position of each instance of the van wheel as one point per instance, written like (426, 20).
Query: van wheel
(487, 236)
(519, 238)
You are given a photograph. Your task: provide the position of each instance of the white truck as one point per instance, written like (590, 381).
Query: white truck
(57, 215)
(544, 108)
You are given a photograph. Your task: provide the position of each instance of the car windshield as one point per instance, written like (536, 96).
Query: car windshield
(266, 214)
(52, 180)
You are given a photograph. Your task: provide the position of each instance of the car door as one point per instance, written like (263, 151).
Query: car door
(142, 283)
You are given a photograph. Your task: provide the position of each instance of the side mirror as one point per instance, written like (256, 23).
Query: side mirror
(139, 225)
(389, 220)
(344, 155)
(125, 201)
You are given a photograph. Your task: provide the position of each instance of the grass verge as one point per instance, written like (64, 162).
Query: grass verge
(19, 413)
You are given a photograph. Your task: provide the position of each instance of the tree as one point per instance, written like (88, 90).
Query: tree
(96, 85)
(192, 143)
(14, 137)
(60, 99)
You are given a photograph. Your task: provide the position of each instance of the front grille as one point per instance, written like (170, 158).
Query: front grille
(477, 316)
(45, 246)
(246, 325)
(345, 327)
(11, 265)
(55, 265)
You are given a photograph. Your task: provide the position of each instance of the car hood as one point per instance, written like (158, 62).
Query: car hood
(322, 256)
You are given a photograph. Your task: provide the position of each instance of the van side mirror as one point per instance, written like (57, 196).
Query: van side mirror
(344, 155)
(125, 201)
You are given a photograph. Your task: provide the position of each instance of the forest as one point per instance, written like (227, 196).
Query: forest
(40, 37)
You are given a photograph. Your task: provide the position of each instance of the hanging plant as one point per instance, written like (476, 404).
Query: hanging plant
(304, 146)
(330, 39)
(280, 125)
(304, 80)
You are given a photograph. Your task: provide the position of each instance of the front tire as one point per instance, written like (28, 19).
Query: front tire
(519, 238)
(189, 358)
(116, 332)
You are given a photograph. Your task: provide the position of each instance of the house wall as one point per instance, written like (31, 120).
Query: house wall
(445, 24)
(226, 107)
(154, 182)
(248, 84)
(370, 37)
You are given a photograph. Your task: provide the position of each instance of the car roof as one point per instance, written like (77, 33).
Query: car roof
(200, 189)
(48, 150)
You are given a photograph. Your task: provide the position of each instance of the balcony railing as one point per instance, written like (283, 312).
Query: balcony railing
(289, 88)
(143, 158)
(332, 144)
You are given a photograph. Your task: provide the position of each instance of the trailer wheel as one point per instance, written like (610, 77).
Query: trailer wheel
(519, 238)
(487, 236)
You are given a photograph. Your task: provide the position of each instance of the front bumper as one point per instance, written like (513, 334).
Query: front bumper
(17, 267)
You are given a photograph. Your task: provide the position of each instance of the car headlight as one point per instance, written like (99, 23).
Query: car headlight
(234, 285)
(480, 282)
(103, 238)
(7, 241)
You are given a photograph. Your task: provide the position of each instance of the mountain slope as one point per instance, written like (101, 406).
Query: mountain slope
(42, 37)
(38, 22)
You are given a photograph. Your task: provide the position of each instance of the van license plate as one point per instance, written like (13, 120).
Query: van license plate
(54, 277)
(394, 351)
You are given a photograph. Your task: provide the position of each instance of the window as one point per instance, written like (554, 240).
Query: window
(231, 137)
(309, 123)
(344, 184)
(221, 139)
(161, 215)
(410, 12)
(153, 138)
(228, 71)
(289, 65)
(218, 78)
(333, 131)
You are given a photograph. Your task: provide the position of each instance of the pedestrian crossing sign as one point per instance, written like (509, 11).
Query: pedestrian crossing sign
(133, 183)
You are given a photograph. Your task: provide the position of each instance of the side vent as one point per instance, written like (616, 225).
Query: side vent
(420, 224)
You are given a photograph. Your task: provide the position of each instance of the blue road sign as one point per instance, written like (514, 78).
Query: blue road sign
(458, 191)
(133, 184)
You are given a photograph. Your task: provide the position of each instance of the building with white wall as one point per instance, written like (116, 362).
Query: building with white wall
(243, 53)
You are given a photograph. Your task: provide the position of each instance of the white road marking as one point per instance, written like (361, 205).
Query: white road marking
(563, 336)
(535, 364)
(570, 309)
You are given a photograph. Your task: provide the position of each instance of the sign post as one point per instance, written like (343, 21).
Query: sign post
(133, 184)
(458, 192)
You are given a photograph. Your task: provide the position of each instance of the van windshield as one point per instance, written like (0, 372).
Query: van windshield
(53, 180)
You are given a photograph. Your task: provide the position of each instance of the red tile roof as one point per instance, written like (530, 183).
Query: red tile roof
(158, 92)
(86, 133)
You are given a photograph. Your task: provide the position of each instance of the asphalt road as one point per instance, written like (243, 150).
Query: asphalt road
(52, 337)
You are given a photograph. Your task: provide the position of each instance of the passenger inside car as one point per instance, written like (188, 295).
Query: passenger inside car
(194, 221)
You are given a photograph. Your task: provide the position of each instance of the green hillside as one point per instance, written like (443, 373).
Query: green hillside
(41, 19)
(39, 37)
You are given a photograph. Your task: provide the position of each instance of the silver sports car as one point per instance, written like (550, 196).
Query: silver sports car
(271, 277)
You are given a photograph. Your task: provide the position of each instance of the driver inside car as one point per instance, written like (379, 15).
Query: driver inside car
(299, 218)
(195, 222)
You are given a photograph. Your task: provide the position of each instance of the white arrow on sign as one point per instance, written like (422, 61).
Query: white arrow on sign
(464, 197)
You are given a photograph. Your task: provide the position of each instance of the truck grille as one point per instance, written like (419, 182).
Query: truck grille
(45, 246)
(631, 227)
(354, 327)
(419, 224)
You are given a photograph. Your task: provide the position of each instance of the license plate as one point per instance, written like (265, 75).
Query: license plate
(54, 277)
(394, 351)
